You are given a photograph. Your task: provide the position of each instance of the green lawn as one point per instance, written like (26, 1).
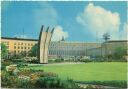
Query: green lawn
(101, 71)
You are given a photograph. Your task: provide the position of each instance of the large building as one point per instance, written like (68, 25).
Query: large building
(65, 49)
(56, 49)
(18, 45)
(108, 48)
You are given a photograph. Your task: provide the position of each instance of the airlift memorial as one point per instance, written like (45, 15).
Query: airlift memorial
(43, 43)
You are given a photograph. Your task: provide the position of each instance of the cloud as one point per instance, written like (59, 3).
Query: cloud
(99, 20)
(59, 33)
(47, 15)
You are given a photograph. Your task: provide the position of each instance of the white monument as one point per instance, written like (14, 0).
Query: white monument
(43, 44)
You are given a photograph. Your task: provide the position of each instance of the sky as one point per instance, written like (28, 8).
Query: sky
(84, 21)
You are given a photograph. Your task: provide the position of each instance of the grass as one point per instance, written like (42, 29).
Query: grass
(100, 71)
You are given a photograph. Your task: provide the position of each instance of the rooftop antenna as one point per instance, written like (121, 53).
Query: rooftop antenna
(23, 32)
(96, 36)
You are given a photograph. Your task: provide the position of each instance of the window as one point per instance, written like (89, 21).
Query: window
(28, 44)
(31, 44)
(28, 47)
(18, 47)
(14, 43)
(21, 43)
(21, 47)
(24, 47)
(7, 47)
(15, 51)
(14, 47)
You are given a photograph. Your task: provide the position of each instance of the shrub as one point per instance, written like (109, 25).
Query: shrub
(34, 61)
(59, 60)
(25, 71)
(55, 82)
(22, 65)
(17, 61)
(86, 60)
(28, 72)
(5, 63)
(28, 78)
(47, 74)
(4, 51)
(70, 84)
(19, 81)
(90, 87)
(23, 83)
(34, 76)
(7, 80)
(4, 78)
(44, 82)
(122, 84)
(51, 61)
(31, 59)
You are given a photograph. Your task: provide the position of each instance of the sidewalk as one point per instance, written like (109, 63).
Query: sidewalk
(62, 63)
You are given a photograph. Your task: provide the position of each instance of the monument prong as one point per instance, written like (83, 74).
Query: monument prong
(52, 30)
(47, 29)
(40, 35)
(42, 28)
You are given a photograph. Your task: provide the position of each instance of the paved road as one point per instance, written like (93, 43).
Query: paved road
(99, 86)
(63, 63)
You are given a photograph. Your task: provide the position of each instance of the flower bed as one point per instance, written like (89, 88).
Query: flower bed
(28, 78)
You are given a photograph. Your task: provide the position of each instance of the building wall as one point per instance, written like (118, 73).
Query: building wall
(68, 49)
(65, 49)
(56, 49)
(108, 48)
(18, 45)
(93, 52)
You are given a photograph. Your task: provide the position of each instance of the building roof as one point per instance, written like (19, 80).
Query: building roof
(15, 38)
(117, 41)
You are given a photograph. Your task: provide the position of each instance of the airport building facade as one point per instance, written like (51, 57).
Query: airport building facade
(108, 48)
(64, 49)
(56, 49)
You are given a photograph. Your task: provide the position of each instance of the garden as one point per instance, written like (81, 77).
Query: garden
(19, 72)
(20, 76)
(104, 73)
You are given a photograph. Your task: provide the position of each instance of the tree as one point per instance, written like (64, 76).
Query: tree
(34, 50)
(4, 51)
(120, 52)
(106, 37)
